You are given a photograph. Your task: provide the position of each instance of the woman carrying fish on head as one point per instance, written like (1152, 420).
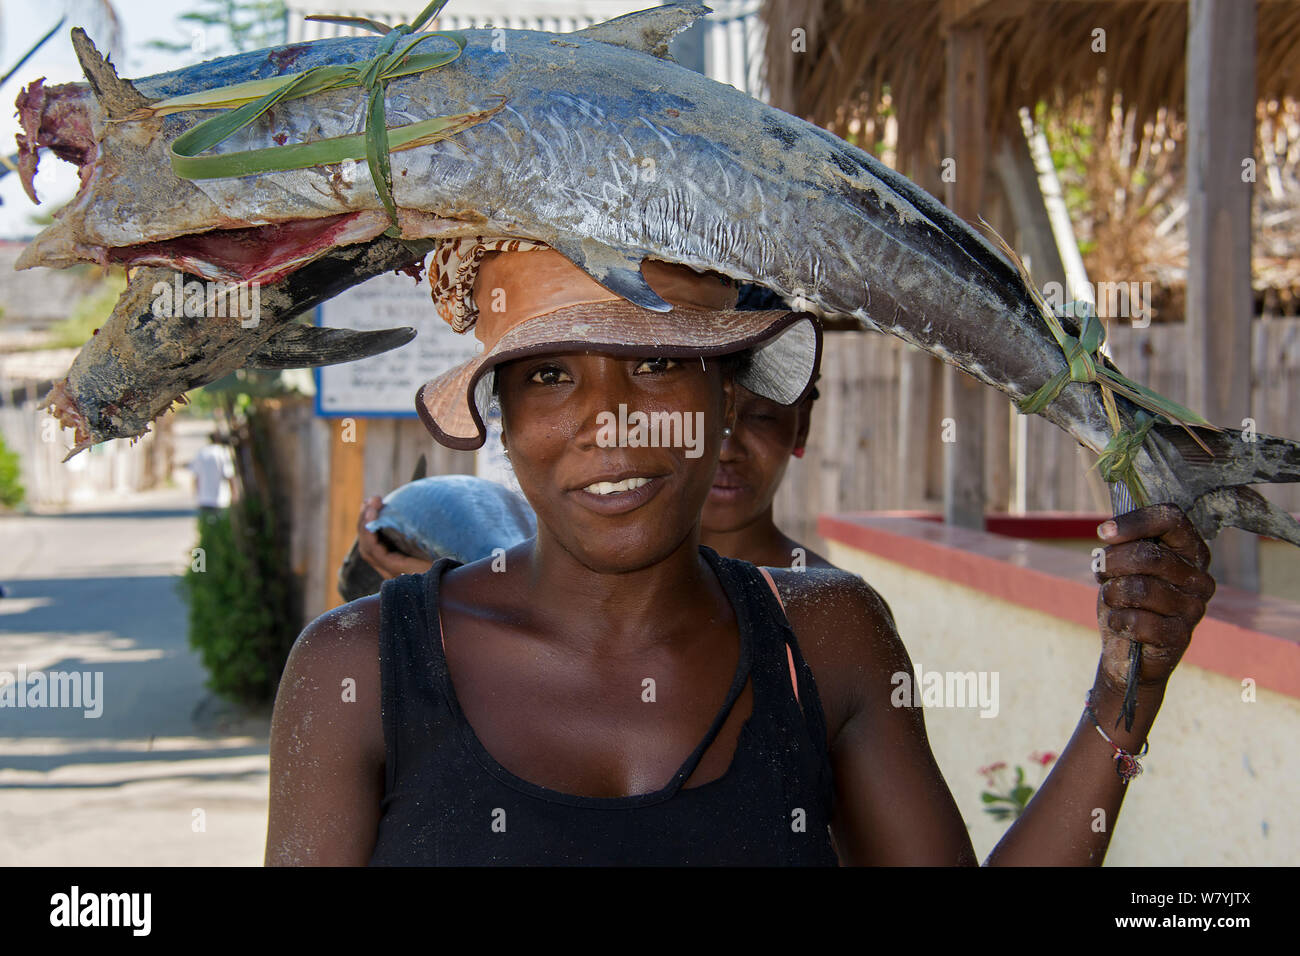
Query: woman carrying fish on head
(615, 693)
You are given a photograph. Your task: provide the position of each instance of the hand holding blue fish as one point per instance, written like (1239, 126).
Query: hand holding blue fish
(389, 562)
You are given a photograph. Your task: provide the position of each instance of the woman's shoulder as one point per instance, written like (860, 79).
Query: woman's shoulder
(347, 632)
(327, 753)
(846, 632)
(827, 595)
(333, 671)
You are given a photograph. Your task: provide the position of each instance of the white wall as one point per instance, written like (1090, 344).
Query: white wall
(1220, 785)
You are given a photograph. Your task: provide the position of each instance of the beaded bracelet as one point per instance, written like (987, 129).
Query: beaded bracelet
(1126, 764)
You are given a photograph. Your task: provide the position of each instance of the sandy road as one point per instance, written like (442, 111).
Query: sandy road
(93, 591)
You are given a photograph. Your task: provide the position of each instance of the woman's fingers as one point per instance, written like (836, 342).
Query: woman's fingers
(1149, 593)
(1168, 524)
(1148, 627)
(369, 512)
(393, 563)
(373, 551)
(1147, 557)
(1154, 589)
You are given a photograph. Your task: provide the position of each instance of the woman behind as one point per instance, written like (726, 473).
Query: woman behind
(616, 693)
(738, 518)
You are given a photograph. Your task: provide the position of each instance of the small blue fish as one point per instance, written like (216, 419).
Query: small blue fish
(447, 516)
(453, 516)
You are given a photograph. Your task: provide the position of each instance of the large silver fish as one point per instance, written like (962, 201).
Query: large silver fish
(609, 152)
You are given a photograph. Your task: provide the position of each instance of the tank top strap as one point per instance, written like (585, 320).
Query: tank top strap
(409, 670)
(776, 649)
(742, 677)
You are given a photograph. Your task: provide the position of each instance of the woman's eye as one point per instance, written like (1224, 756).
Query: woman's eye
(550, 375)
(650, 366)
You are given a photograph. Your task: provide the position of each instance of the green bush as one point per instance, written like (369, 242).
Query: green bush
(241, 620)
(12, 492)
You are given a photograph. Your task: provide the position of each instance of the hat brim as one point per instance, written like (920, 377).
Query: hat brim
(787, 351)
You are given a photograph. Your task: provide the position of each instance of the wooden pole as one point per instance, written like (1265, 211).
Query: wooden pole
(346, 492)
(915, 434)
(967, 144)
(1019, 178)
(919, 476)
(1220, 175)
(997, 407)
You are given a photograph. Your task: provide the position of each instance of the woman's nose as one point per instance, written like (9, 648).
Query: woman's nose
(602, 387)
(733, 448)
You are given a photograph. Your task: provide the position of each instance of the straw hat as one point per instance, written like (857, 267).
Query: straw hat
(539, 302)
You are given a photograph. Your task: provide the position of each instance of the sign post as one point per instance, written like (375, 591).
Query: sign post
(382, 386)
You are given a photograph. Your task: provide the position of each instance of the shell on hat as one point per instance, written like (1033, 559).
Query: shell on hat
(453, 268)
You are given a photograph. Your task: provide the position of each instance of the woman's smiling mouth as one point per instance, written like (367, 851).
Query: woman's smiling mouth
(611, 487)
(613, 497)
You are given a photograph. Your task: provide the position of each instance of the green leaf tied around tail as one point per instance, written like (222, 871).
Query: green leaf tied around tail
(1118, 463)
(247, 101)
(1085, 364)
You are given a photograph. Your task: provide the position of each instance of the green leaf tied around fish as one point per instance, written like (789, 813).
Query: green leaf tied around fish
(1085, 364)
(250, 100)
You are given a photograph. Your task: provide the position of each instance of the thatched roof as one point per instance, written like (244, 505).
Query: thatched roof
(1039, 50)
(874, 72)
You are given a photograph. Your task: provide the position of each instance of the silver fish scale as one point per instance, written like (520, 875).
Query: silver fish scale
(715, 202)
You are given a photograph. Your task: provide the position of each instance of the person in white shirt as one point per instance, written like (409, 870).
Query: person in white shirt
(213, 468)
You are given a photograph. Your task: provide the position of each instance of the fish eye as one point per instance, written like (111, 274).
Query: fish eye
(653, 365)
(549, 375)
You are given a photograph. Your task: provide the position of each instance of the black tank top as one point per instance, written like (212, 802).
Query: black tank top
(448, 802)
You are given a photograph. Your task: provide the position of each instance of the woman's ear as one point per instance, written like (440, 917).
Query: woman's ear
(805, 423)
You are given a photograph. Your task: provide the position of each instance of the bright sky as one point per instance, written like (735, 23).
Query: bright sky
(22, 23)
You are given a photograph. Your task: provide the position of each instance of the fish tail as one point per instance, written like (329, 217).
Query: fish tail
(1216, 469)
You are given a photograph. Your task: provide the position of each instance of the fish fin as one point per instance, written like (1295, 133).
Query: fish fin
(308, 346)
(1218, 480)
(622, 275)
(647, 30)
(1242, 507)
(1234, 458)
(116, 95)
(421, 468)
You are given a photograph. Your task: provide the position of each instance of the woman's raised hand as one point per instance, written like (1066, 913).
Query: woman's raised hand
(1154, 589)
